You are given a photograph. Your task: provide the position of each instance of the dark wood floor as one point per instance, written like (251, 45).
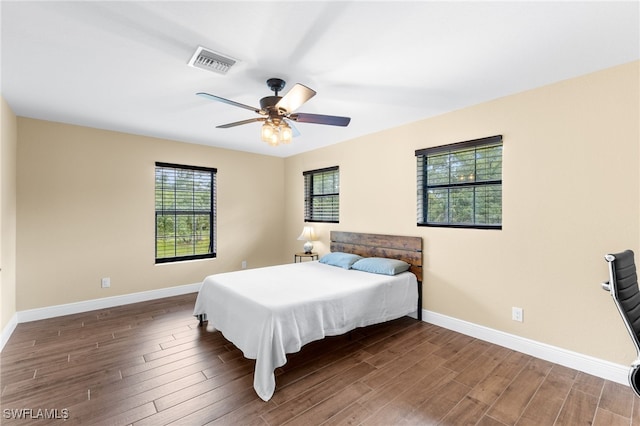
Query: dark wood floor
(150, 364)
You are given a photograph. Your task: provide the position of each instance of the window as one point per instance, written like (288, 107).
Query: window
(185, 212)
(460, 185)
(322, 195)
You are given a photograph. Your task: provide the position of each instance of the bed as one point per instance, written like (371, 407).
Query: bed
(272, 311)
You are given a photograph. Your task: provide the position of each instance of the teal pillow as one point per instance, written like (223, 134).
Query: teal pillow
(381, 265)
(343, 260)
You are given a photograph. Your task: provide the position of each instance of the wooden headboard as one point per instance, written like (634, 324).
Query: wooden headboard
(408, 249)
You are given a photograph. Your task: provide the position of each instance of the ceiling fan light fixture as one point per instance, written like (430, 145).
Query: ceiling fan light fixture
(275, 132)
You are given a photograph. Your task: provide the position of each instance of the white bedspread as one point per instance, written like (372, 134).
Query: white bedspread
(269, 312)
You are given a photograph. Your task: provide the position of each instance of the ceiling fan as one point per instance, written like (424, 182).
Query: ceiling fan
(277, 112)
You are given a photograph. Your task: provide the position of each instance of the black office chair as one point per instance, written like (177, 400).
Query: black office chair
(623, 286)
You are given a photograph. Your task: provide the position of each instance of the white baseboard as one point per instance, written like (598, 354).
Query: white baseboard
(585, 363)
(91, 305)
(105, 302)
(8, 330)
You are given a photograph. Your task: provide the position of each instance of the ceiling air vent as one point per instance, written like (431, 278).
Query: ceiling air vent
(212, 61)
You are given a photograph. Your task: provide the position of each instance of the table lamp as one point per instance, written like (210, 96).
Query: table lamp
(307, 235)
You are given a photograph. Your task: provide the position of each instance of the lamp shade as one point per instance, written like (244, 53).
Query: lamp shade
(307, 234)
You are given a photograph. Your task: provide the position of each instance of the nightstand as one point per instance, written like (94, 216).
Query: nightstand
(301, 255)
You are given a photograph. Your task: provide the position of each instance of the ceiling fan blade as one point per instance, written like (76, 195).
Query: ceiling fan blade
(295, 97)
(240, 123)
(331, 120)
(227, 101)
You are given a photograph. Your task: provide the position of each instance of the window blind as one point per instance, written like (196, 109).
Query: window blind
(185, 209)
(322, 195)
(461, 184)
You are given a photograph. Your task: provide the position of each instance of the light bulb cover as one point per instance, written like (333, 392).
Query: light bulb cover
(285, 133)
(267, 132)
(274, 140)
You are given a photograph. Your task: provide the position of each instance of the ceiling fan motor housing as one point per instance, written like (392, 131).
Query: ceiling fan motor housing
(268, 103)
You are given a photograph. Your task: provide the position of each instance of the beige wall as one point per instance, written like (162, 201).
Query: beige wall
(8, 149)
(570, 195)
(86, 211)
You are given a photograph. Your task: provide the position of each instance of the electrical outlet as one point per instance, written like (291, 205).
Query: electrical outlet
(105, 282)
(516, 314)
(244, 264)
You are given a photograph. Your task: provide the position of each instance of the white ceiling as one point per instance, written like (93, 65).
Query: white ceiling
(123, 65)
